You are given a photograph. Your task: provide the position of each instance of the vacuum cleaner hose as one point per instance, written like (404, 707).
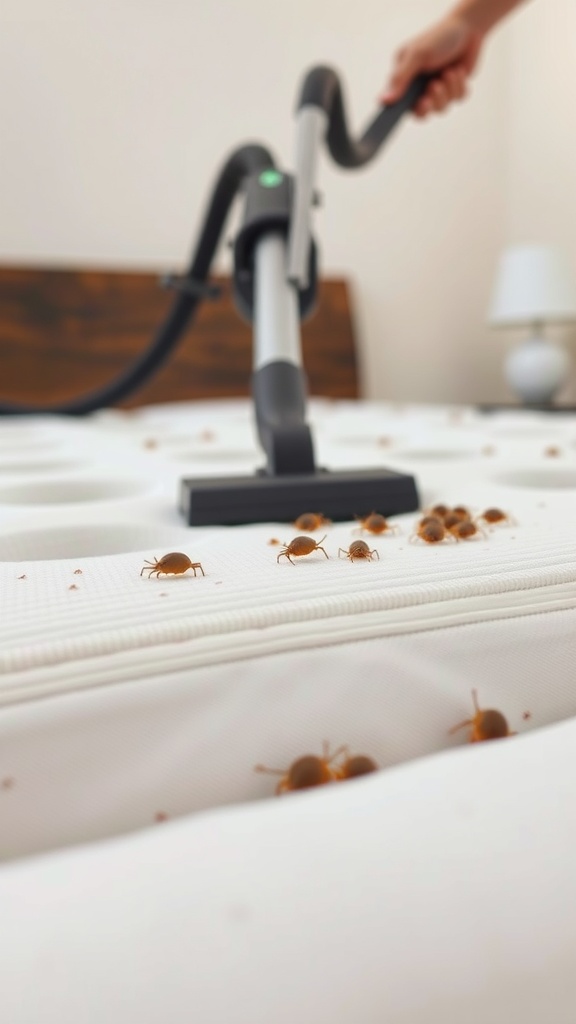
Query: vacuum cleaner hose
(321, 88)
(242, 162)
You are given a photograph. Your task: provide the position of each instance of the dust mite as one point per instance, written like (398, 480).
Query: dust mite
(358, 549)
(485, 725)
(173, 564)
(310, 521)
(375, 523)
(301, 546)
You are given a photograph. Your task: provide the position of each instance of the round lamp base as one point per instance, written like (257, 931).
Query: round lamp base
(536, 370)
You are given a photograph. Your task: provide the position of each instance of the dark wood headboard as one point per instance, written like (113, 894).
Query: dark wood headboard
(66, 332)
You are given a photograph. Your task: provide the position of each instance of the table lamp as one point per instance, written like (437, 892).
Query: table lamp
(534, 286)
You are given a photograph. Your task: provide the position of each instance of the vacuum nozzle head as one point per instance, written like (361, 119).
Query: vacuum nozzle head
(263, 498)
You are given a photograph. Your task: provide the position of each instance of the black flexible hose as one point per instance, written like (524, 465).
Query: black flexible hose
(322, 88)
(244, 161)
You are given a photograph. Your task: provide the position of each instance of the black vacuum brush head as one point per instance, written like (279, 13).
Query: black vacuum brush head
(232, 501)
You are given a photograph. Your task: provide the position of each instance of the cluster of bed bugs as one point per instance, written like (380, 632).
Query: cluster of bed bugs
(311, 770)
(444, 523)
(358, 550)
(440, 523)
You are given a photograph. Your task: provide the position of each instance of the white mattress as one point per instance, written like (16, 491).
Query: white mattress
(148, 874)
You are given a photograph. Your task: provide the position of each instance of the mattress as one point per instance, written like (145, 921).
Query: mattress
(148, 872)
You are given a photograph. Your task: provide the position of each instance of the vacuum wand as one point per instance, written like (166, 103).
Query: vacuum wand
(275, 286)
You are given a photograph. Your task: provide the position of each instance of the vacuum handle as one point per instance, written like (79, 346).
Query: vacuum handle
(321, 115)
(384, 123)
(322, 89)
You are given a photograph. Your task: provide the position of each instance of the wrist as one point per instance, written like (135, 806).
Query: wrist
(483, 15)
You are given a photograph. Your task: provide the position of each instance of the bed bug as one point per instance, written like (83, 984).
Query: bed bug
(552, 451)
(301, 546)
(273, 540)
(358, 549)
(451, 519)
(495, 515)
(461, 511)
(375, 523)
(305, 772)
(310, 521)
(439, 511)
(465, 529)
(485, 725)
(172, 564)
(429, 519)
(358, 764)
(432, 532)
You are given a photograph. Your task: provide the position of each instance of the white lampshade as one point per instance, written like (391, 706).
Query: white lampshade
(534, 284)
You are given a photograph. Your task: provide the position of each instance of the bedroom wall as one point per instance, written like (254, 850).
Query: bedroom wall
(116, 116)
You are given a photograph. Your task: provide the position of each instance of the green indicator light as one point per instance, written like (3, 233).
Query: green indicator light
(270, 178)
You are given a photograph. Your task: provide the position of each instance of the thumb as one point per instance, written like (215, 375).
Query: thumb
(409, 62)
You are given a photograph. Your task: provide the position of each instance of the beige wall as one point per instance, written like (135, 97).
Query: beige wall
(541, 185)
(115, 116)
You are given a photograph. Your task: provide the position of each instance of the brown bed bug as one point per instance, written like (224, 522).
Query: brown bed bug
(439, 511)
(301, 546)
(552, 451)
(353, 767)
(173, 564)
(359, 549)
(273, 541)
(461, 511)
(485, 725)
(451, 519)
(466, 529)
(310, 521)
(494, 516)
(375, 523)
(432, 532)
(429, 519)
(305, 772)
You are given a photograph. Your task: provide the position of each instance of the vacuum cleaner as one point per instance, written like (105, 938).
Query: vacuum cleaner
(275, 287)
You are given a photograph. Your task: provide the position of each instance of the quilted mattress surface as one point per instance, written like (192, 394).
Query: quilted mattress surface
(148, 873)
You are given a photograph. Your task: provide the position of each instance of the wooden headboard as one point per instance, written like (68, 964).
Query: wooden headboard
(66, 332)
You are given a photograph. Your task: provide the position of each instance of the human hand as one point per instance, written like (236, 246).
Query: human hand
(451, 49)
